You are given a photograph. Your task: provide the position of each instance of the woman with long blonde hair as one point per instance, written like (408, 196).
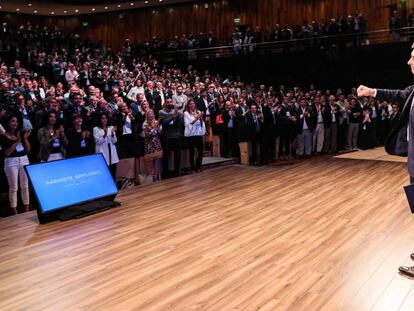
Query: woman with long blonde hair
(152, 149)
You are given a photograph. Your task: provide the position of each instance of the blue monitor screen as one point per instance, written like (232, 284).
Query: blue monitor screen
(68, 182)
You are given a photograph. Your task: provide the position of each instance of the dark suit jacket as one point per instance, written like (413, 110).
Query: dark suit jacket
(169, 93)
(311, 120)
(83, 78)
(285, 123)
(201, 106)
(396, 143)
(210, 97)
(327, 115)
(152, 99)
(251, 126)
(226, 118)
(158, 99)
(270, 121)
(242, 131)
(394, 119)
(27, 95)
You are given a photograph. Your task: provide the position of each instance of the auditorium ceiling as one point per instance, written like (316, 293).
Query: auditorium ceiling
(78, 7)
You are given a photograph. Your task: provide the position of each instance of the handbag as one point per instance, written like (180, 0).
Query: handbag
(219, 119)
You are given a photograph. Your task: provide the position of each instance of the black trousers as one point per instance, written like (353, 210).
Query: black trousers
(112, 169)
(284, 143)
(195, 142)
(126, 146)
(168, 145)
(230, 145)
(342, 136)
(224, 148)
(411, 179)
(269, 145)
(257, 145)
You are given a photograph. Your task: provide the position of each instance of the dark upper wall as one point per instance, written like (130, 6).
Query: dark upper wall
(167, 21)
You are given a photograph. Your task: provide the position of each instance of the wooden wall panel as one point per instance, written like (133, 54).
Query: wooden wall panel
(166, 21)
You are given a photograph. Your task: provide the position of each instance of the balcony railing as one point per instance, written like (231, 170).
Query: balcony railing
(319, 42)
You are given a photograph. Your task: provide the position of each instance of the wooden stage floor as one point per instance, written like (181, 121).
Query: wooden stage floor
(326, 234)
(376, 154)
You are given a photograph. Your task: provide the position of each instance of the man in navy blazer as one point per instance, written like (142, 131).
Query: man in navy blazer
(400, 141)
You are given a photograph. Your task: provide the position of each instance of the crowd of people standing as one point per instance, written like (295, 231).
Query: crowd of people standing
(69, 98)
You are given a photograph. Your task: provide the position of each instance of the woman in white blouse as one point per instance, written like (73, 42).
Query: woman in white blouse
(105, 140)
(194, 131)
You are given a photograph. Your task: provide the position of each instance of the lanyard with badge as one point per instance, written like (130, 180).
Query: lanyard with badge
(197, 124)
(56, 143)
(19, 147)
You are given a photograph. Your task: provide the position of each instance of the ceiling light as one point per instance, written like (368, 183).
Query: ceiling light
(76, 10)
(160, 0)
(35, 11)
(93, 9)
(65, 12)
(52, 12)
(106, 8)
(146, 1)
(118, 5)
(30, 4)
(17, 10)
(131, 3)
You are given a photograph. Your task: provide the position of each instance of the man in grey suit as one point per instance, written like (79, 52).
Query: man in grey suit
(400, 141)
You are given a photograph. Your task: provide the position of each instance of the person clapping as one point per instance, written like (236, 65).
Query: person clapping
(52, 139)
(16, 146)
(194, 131)
(79, 138)
(105, 140)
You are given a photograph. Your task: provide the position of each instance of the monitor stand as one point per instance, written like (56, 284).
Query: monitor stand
(78, 211)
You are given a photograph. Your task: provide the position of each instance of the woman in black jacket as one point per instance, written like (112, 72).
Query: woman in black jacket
(80, 140)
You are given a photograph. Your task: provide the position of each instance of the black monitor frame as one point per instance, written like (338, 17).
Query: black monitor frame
(53, 214)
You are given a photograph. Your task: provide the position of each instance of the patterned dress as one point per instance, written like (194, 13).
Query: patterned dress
(153, 148)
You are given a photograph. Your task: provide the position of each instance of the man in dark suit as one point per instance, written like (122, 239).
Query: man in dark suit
(30, 93)
(395, 143)
(229, 133)
(286, 117)
(160, 100)
(395, 115)
(203, 104)
(241, 110)
(171, 120)
(383, 124)
(254, 122)
(305, 126)
(76, 105)
(211, 40)
(270, 128)
(331, 121)
(211, 94)
(16, 70)
(206, 105)
(152, 96)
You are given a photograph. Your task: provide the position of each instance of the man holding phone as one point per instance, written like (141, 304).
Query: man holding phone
(403, 131)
